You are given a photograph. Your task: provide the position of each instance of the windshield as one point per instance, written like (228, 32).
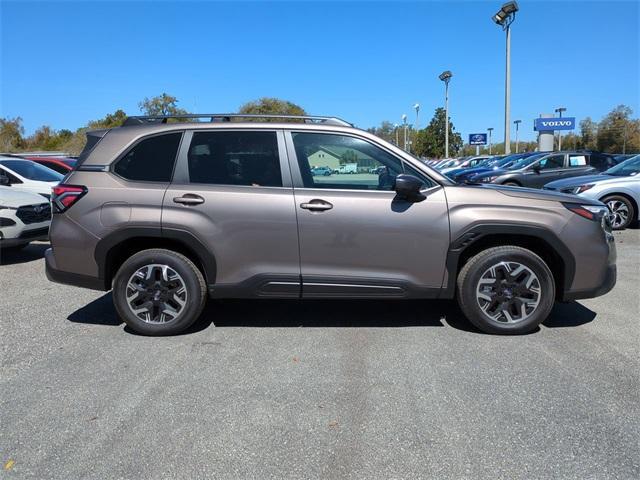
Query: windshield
(630, 166)
(32, 170)
(526, 161)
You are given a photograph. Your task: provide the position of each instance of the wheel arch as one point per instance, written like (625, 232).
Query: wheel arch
(112, 251)
(539, 240)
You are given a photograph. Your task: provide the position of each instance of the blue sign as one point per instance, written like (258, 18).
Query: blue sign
(477, 139)
(550, 124)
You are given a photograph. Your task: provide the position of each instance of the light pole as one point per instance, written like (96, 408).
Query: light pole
(517, 123)
(505, 17)
(446, 77)
(416, 107)
(490, 129)
(404, 120)
(395, 126)
(559, 111)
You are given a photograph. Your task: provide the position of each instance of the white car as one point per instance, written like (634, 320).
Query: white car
(28, 176)
(24, 217)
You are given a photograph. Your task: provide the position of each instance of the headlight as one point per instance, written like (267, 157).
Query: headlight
(582, 188)
(595, 213)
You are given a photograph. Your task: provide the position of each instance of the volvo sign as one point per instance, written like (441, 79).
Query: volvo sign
(551, 124)
(477, 139)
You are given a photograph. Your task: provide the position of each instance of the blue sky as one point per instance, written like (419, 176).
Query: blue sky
(64, 63)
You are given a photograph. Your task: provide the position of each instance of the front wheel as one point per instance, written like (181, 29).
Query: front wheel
(506, 290)
(621, 211)
(159, 292)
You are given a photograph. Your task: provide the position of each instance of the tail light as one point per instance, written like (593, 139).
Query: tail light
(64, 196)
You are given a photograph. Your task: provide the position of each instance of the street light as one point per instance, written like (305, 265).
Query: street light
(490, 129)
(517, 123)
(417, 109)
(446, 77)
(395, 127)
(505, 17)
(404, 120)
(559, 111)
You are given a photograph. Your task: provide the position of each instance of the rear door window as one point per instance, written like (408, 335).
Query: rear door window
(150, 160)
(235, 158)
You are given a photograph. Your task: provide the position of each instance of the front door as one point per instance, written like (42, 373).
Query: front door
(357, 239)
(232, 191)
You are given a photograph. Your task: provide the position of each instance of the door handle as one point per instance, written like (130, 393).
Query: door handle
(317, 205)
(189, 199)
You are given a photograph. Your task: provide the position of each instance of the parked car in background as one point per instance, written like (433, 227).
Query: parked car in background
(348, 168)
(321, 171)
(466, 163)
(493, 163)
(536, 171)
(59, 164)
(28, 176)
(24, 217)
(618, 188)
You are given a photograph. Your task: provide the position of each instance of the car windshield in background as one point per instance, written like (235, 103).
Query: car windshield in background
(626, 168)
(526, 161)
(32, 170)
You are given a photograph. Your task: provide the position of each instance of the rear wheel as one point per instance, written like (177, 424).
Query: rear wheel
(512, 184)
(621, 211)
(159, 292)
(506, 290)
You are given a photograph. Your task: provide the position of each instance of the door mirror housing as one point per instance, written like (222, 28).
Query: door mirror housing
(536, 168)
(408, 187)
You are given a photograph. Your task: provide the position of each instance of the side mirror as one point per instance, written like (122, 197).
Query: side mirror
(408, 187)
(536, 168)
(4, 180)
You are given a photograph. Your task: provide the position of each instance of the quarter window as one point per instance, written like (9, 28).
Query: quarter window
(343, 162)
(577, 160)
(235, 158)
(150, 160)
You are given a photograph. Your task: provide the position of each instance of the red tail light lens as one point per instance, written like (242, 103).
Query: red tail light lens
(64, 196)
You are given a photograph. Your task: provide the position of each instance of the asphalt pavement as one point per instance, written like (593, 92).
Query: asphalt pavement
(318, 389)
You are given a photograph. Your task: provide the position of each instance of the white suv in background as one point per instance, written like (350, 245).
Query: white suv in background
(28, 176)
(24, 217)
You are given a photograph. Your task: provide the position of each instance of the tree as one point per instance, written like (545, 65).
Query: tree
(386, 131)
(161, 105)
(271, 106)
(617, 130)
(588, 134)
(430, 141)
(11, 131)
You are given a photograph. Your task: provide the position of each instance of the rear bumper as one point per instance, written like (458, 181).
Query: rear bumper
(605, 287)
(67, 278)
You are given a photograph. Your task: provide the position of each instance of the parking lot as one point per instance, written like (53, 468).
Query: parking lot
(322, 389)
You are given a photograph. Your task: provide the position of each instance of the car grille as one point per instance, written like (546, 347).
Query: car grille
(36, 232)
(34, 213)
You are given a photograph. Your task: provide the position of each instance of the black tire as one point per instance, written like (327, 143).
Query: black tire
(191, 277)
(614, 200)
(512, 184)
(469, 278)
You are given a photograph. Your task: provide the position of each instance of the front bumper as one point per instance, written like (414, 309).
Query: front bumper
(605, 287)
(68, 278)
(22, 236)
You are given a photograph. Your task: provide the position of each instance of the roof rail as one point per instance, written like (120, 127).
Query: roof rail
(226, 117)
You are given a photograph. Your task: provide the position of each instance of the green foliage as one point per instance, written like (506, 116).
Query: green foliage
(271, 106)
(11, 132)
(349, 156)
(430, 141)
(163, 104)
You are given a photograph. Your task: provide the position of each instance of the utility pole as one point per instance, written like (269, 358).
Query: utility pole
(490, 129)
(446, 78)
(404, 120)
(559, 111)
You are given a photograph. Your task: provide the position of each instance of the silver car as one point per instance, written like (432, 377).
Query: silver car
(618, 188)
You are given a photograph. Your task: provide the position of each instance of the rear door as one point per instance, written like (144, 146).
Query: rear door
(577, 165)
(357, 239)
(232, 191)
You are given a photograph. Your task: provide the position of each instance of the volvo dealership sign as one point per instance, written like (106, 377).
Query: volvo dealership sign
(551, 124)
(477, 139)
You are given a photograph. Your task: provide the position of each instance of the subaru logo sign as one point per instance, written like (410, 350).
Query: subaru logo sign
(477, 139)
(551, 124)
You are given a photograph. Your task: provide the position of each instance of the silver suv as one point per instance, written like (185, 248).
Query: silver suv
(167, 213)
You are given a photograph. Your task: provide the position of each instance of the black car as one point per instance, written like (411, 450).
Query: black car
(537, 170)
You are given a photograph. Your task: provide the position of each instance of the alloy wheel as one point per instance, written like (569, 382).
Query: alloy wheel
(508, 292)
(619, 213)
(156, 293)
